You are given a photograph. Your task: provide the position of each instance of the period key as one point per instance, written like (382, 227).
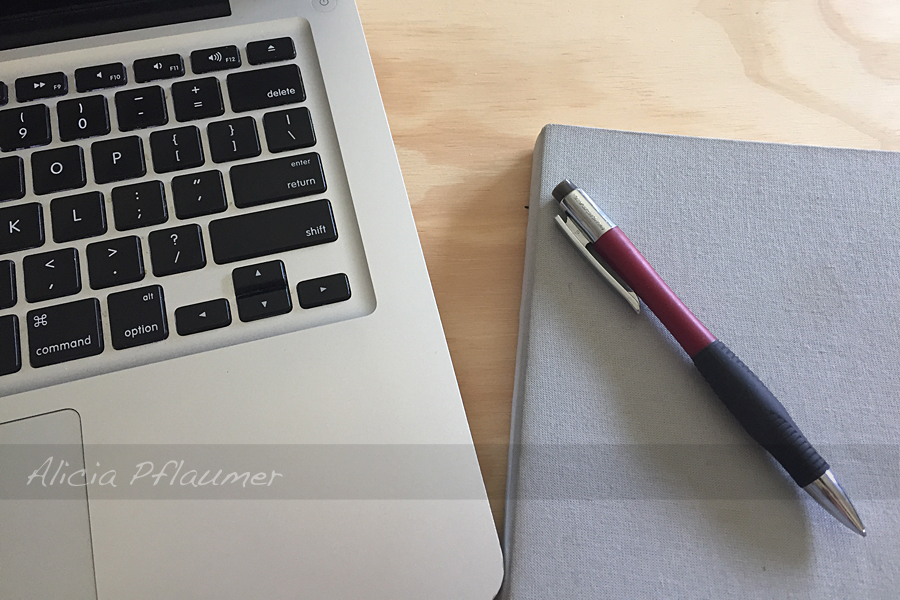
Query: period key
(64, 332)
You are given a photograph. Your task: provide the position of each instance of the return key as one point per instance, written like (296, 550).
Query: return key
(277, 179)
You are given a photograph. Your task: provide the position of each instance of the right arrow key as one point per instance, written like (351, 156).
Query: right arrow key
(323, 290)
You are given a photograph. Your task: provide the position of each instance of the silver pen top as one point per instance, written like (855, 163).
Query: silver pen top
(583, 223)
(579, 207)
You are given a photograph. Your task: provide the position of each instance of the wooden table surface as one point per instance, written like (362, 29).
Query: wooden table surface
(468, 84)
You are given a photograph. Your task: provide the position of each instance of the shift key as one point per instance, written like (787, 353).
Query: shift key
(64, 332)
(278, 179)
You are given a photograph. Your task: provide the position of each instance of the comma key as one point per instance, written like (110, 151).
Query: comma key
(64, 332)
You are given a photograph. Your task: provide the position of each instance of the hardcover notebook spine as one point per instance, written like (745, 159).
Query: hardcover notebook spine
(522, 356)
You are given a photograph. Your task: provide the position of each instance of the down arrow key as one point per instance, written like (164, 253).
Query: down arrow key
(264, 305)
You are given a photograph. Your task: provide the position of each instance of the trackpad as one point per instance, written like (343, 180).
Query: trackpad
(46, 539)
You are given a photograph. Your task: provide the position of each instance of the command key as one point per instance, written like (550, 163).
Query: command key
(64, 332)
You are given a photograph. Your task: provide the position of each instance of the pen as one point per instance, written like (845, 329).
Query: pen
(613, 255)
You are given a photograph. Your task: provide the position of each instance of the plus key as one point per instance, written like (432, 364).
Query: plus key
(197, 99)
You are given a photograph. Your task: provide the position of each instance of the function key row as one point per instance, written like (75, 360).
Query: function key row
(87, 79)
(71, 331)
(142, 108)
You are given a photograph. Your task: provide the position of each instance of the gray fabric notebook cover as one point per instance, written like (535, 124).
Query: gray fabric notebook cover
(628, 478)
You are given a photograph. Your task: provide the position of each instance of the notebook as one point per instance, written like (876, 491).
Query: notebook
(222, 369)
(628, 478)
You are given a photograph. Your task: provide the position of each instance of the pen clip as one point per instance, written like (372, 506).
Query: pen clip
(581, 241)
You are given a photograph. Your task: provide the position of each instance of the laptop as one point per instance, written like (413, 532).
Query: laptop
(222, 369)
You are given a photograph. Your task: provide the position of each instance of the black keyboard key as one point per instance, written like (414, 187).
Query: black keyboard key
(118, 159)
(21, 227)
(201, 317)
(10, 351)
(256, 279)
(158, 67)
(233, 140)
(215, 59)
(77, 217)
(115, 262)
(8, 296)
(265, 305)
(37, 87)
(51, 275)
(64, 332)
(176, 149)
(24, 127)
(323, 290)
(141, 108)
(100, 77)
(266, 51)
(278, 179)
(4, 94)
(197, 99)
(270, 231)
(137, 317)
(12, 178)
(265, 88)
(139, 205)
(58, 170)
(82, 118)
(177, 250)
(289, 129)
(198, 194)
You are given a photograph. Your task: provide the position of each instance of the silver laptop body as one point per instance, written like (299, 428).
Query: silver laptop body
(336, 453)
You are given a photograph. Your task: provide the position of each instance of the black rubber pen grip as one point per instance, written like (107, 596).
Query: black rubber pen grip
(759, 412)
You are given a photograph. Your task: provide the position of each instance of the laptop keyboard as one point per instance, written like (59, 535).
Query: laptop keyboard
(150, 176)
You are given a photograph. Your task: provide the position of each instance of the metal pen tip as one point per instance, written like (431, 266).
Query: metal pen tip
(831, 496)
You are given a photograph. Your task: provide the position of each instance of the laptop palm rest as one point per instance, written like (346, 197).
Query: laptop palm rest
(46, 540)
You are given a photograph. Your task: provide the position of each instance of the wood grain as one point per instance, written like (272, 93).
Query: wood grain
(467, 86)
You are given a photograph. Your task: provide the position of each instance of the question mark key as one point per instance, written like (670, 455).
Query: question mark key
(176, 250)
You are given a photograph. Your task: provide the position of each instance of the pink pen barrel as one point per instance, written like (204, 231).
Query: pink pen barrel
(618, 251)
